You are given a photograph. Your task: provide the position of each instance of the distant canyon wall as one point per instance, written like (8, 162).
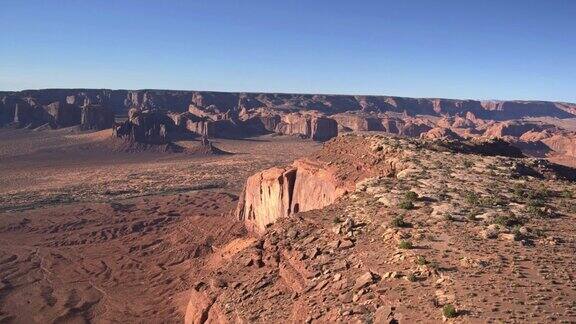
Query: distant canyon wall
(19, 104)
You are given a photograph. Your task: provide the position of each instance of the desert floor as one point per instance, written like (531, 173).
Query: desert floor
(89, 234)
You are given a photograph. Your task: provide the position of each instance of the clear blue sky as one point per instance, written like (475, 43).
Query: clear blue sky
(503, 49)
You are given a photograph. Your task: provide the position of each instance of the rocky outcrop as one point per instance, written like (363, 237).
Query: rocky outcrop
(145, 127)
(564, 144)
(318, 128)
(512, 128)
(280, 192)
(441, 133)
(314, 183)
(96, 118)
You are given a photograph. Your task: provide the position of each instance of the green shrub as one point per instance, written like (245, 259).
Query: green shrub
(566, 193)
(492, 201)
(410, 196)
(449, 311)
(406, 245)
(536, 210)
(399, 221)
(406, 204)
(420, 260)
(507, 220)
(471, 198)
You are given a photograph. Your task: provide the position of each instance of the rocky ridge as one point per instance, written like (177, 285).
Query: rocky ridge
(411, 240)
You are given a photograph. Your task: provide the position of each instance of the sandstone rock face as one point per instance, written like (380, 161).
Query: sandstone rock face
(267, 197)
(318, 128)
(323, 129)
(310, 184)
(96, 118)
(440, 133)
(280, 192)
(314, 187)
(515, 129)
(562, 143)
(63, 114)
(359, 123)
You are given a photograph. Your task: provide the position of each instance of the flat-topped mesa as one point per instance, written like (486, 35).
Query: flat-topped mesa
(313, 183)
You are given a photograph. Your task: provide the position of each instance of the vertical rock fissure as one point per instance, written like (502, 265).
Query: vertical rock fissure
(291, 177)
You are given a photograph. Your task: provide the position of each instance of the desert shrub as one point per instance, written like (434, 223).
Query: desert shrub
(399, 221)
(336, 220)
(491, 201)
(420, 260)
(566, 193)
(537, 196)
(507, 220)
(448, 217)
(468, 164)
(537, 210)
(410, 196)
(471, 198)
(412, 277)
(449, 311)
(406, 204)
(518, 236)
(406, 245)
(518, 191)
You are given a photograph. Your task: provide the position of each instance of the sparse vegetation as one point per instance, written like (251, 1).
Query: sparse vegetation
(399, 221)
(420, 260)
(406, 204)
(449, 311)
(471, 198)
(507, 220)
(405, 245)
(410, 196)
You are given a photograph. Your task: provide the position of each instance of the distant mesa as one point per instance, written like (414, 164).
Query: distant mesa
(167, 114)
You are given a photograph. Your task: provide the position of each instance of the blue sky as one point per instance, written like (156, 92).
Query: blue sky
(428, 48)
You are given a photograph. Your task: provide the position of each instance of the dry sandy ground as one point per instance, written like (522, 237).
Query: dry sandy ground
(90, 235)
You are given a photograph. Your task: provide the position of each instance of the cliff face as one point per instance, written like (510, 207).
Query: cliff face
(120, 101)
(312, 183)
(281, 192)
(317, 117)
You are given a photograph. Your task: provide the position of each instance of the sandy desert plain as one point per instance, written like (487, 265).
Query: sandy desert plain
(88, 234)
